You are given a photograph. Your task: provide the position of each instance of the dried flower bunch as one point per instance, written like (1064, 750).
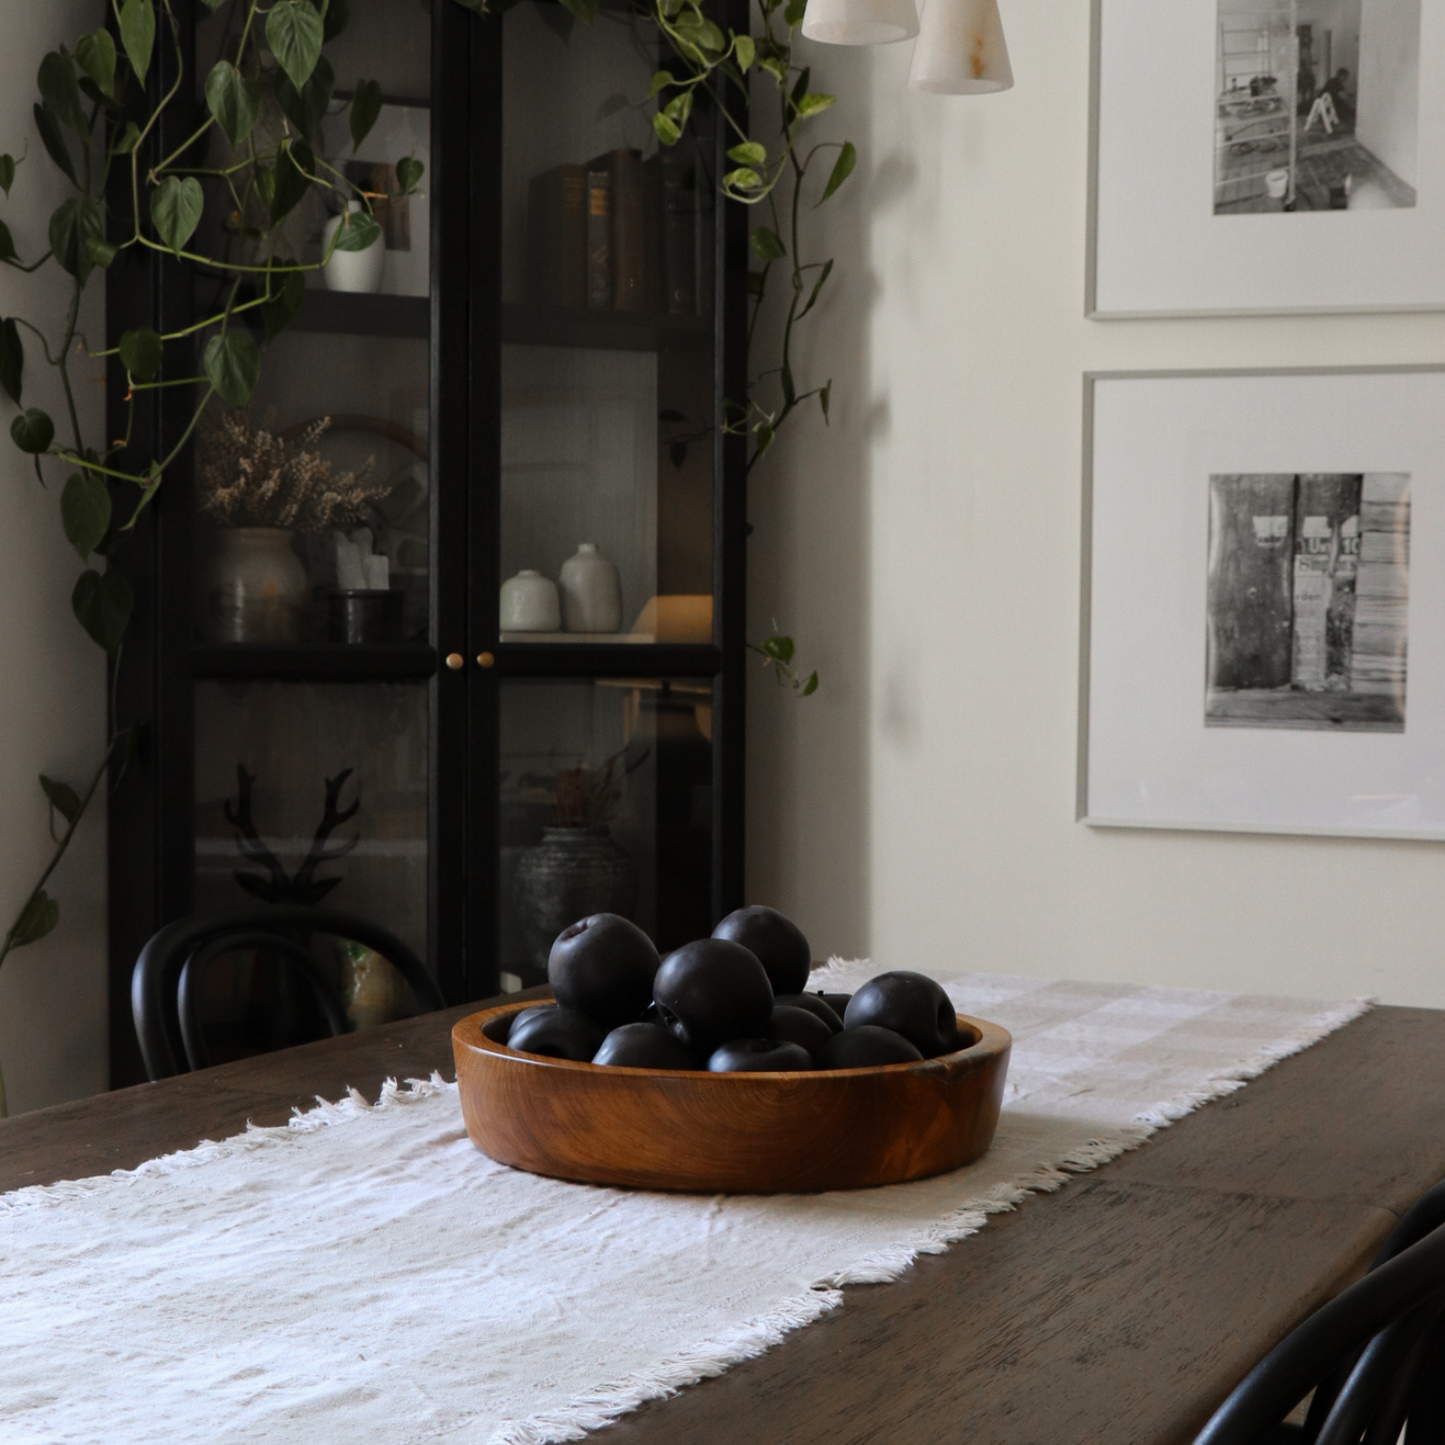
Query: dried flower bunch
(585, 797)
(251, 478)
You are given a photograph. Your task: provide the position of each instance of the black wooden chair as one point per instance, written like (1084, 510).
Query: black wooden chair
(165, 986)
(1374, 1355)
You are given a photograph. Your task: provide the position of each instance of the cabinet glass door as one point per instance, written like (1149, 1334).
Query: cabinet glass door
(313, 694)
(608, 430)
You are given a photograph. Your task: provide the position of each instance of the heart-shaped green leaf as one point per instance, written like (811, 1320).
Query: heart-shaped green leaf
(668, 130)
(95, 54)
(7, 173)
(61, 92)
(287, 294)
(233, 365)
(7, 244)
(176, 206)
(54, 142)
(305, 107)
(63, 798)
(138, 35)
(292, 178)
(583, 10)
(12, 359)
(357, 232)
(75, 229)
(746, 50)
(39, 917)
(234, 101)
(32, 431)
(749, 153)
(768, 245)
(813, 104)
(102, 603)
(842, 169)
(85, 512)
(140, 353)
(409, 172)
(365, 108)
(334, 18)
(295, 33)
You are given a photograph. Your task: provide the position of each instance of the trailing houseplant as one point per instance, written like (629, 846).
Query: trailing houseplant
(99, 126)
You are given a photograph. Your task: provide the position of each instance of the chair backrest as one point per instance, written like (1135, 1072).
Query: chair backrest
(1374, 1355)
(165, 1009)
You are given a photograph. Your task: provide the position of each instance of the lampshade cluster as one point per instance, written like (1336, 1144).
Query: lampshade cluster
(960, 50)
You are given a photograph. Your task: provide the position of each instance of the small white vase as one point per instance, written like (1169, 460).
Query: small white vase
(352, 270)
(259, 591)
(530, 603)
(591, 592)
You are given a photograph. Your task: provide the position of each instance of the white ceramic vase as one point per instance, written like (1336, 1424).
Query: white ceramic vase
(591, 592)
(352, 270)
(259, 591)
(530, 603)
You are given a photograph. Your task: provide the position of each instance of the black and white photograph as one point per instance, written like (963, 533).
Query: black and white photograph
(1264, 582)
(1309, 581)
(1317, 105)
(1219, 124)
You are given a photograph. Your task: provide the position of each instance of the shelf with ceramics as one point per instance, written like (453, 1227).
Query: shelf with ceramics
(585, 605)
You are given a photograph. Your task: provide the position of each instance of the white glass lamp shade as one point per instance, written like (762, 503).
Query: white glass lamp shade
(961, 49)
(860, 22)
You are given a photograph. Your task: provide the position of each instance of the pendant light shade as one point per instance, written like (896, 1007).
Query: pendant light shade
(961, 49)
(860, 22)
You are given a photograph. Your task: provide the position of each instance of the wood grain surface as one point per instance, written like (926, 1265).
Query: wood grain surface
(1121, 1309)
(728, 1133)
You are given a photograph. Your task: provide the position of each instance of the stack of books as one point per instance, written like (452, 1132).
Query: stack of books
(622, 234)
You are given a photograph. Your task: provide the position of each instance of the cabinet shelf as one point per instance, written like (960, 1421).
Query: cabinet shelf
(360, 314)
(601, 330)
(314, 661)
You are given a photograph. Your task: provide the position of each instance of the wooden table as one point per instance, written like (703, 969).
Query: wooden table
(1123, 1307)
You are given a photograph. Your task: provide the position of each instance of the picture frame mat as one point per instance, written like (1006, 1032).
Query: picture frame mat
(1155, 246)
(1146, 758)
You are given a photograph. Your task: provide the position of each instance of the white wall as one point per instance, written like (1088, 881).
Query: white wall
(925, 551)
(1389, 96)
(52, 995)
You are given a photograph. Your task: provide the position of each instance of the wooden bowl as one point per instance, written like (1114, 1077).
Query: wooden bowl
(739, 1133)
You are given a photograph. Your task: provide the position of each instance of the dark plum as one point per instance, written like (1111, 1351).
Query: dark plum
(557, 1033)
(865, 1047)
(711, 991)
(777, 941)
(813, 1002)
(798, 1026)
(759, 1056)
(911, 1004)
(645, 1046)
(603, 966)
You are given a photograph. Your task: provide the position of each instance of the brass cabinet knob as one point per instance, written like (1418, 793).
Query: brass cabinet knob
(454, 660)
(485, 659)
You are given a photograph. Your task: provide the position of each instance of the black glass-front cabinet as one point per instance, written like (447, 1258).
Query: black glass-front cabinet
(516, 682)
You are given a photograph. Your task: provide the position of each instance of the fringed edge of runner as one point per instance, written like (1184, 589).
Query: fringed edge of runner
(325, 1114)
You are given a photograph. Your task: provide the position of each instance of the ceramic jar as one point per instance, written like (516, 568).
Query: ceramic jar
(571, 873)
(259, 591)
(591, 592)
(352, 270)
(530, 603)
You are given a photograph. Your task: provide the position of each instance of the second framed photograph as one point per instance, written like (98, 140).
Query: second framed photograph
(1255, 156)
(1264, 602)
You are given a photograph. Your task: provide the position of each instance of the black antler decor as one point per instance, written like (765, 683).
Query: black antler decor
(282, 887)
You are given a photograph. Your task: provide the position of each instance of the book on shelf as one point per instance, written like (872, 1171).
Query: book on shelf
(599, 240)
(557, 237)
(621, 234)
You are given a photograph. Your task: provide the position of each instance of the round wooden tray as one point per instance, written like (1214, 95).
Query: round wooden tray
(737, 1133)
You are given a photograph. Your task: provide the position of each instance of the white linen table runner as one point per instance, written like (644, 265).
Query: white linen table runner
(365, 1275)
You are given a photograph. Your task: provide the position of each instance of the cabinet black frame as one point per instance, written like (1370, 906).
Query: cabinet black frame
(152, 814)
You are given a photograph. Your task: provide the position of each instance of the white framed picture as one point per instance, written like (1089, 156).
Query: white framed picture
(1263, 634)
(400, 132)
(1257, 156)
